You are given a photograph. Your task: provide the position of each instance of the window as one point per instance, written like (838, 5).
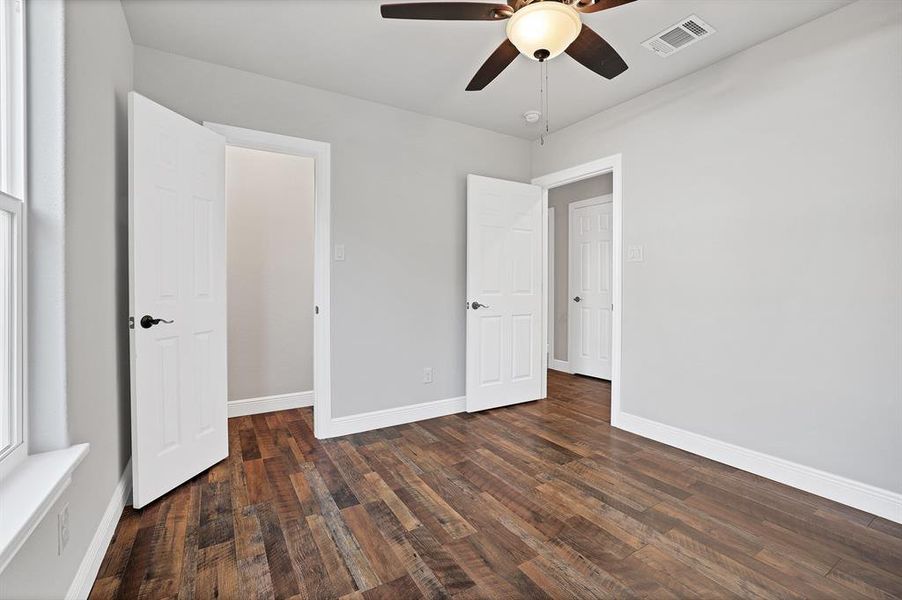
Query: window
(12, 215)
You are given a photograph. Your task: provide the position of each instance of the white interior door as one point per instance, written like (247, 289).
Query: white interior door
(591, 296)
(176, 274)
(504, 293)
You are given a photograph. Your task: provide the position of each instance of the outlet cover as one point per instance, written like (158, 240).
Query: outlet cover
(339, 252)
(62, 520)
(635, 253)
(427, 375)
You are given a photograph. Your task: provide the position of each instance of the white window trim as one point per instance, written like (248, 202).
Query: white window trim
(16, 450)
(31, 482)
(12, 109)
(12, 196)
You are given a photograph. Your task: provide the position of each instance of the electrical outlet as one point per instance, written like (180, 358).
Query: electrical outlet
(339, 252)
(635, 254)
(427, 375)
(62, 520)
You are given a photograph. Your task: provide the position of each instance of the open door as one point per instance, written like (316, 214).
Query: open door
(176, 298)
(505, 354)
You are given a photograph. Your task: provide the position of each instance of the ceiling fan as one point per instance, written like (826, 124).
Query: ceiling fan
(540, 29)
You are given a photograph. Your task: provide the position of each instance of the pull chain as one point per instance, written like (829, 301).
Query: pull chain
(543, 99)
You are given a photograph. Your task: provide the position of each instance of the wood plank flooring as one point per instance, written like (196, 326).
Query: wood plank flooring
(539, 500)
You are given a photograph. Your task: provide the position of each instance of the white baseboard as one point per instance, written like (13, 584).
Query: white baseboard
(395, 416)
(560, 365)
(856, 494)
(81, 586)
(253, 406)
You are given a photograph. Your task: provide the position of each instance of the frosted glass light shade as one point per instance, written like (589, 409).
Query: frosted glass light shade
(546, 25)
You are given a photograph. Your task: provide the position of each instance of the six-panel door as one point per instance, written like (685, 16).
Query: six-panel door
(591, 262)
(177, 274)
(504, 278)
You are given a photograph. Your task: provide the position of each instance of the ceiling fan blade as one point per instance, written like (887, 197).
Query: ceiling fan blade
(447, 11)
(491, 68)
(601, 5)
(590, 50)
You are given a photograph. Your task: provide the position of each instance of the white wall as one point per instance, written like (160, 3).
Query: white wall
(269, 208)
(98, 55)
(767, 192)
(398, 206)
(560, 199)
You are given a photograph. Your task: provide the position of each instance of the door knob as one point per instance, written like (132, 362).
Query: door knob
(147, 321)
(577, 299)
(477, 305)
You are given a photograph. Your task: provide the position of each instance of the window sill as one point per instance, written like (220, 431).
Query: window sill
(29, 491)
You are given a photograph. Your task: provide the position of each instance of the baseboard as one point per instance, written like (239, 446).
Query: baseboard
(253, 406)
(856, 494)
(81, 586)
(560, 365)
(395, 416)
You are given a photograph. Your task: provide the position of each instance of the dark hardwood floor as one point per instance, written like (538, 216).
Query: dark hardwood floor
(537, 500)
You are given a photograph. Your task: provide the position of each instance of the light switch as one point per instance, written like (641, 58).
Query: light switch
(339, 252)
(635, 253)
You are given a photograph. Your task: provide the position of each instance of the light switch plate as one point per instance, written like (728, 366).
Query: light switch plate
(339, 252)
(635, 253)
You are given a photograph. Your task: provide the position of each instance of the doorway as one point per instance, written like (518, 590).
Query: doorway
(576, 218)
(269, 280)
(304, 155)
(598, 183)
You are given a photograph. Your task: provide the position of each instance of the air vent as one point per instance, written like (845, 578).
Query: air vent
(679, 36)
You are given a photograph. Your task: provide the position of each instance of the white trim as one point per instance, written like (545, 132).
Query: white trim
(265, 404)
(395, 416)
(322, 254)
(546, 358)
(613, 165)
(46, 236)
(560, 365)
(13, 194)
(552, 289)
(862, 496)
(81, 585)
(27, 494)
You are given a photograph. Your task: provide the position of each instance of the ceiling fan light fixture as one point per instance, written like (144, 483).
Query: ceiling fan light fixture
(542, 30)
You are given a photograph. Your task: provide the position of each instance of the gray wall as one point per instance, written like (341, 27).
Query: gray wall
(560, 199)
(767, 192)
(398, 206)
(270, 272)
(98, 76)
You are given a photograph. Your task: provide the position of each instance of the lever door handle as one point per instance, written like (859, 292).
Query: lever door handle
(477, 305)
(147, 321)
(577, 299)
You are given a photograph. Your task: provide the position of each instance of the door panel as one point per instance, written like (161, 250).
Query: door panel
(504, 273)
(591, 264)
(176, 273)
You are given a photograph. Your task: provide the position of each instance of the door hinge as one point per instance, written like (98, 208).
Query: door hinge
(131, 322)
(316, 310)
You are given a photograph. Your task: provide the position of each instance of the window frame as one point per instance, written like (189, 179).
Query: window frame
(13, 158)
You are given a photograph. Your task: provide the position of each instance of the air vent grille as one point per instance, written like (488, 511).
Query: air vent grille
(695, 28)
(679, 36)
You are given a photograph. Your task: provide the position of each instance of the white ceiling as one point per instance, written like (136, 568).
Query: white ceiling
(424, 66)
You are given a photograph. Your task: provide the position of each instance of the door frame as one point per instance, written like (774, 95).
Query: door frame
(322, 274)
(609, 164)
(593, 201)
